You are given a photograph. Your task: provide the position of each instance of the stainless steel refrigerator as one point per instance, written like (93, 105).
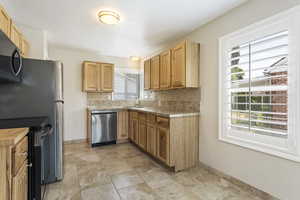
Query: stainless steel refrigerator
(39, 93)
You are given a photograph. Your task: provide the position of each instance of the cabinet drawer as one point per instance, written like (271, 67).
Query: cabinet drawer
(162, 121)
(151, 118)
(142, 116)
(133, 114)
(19, 155)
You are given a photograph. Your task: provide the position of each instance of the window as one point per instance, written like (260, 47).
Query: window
(126, 86)
(259, 90)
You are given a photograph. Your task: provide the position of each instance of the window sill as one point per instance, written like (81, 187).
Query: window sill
(259, 148)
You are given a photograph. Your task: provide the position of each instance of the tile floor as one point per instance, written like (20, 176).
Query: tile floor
(123, 172)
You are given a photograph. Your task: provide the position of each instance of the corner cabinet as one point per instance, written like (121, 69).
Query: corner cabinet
(97, 77)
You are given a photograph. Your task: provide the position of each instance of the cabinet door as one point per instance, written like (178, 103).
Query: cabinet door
(90, 77)
(19, 184)
(135, 130)
(147, 76)
(4, 22)
(143, 135)
(163, 145)
(165, 70)
(15, 35)
(154, 77)
(151, 139)
(178, 66)
(107, 77)
(122, 125)
(24, 47)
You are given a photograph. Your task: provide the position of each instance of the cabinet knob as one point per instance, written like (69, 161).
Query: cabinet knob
(29, 165)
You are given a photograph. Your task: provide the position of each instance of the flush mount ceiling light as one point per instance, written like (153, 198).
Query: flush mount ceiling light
(134, 58)
(109, 17)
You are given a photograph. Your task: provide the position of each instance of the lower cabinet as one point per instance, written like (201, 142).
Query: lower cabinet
(135, 130)
(20, 184)
(151, 139)
(122, 126)
(174, 141)
(13, 164)
(142, 135)
(163, 145)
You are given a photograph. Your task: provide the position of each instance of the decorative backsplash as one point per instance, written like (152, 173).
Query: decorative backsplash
(175, 100)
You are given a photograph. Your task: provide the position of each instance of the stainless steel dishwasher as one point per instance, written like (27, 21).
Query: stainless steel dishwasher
(104, 127)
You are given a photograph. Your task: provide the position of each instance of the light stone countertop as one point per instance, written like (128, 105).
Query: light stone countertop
(157, 111)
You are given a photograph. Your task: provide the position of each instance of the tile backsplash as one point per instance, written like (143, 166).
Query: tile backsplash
(175, 100)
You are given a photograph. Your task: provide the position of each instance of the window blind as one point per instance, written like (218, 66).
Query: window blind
(258, 80)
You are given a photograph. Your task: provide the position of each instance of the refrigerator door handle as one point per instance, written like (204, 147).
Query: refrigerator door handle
(59, 130)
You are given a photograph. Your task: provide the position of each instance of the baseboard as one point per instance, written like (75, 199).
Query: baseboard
(75, 141)
(239, 183)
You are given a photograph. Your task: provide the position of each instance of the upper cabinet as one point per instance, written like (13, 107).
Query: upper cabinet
(165, 70)
(179, 66)
(174, 68)
(147, 76)
(90, 76)
(11, 31)
(154, 77)
(24, 47)
(4, 21)
(15, 35)
(97, 77)
(107, 77)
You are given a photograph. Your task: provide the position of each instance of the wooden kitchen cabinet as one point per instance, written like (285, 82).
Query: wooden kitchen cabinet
(91, 76)
(147, 74)
(175, 68)
(165, 70)
(24, 47)
(13, 164)
(97, 77)
(185, 65)
(135, 130)
(178, 66)
(122, 126)
(173, 140)
(15, 35)
(4, 21)
(151, 139)
(20, 184)
(163, 145)
(154, 77)
(107, 77)
(143, 135)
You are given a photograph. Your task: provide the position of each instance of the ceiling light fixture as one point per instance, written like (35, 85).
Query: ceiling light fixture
(109, 17)
(134, 58)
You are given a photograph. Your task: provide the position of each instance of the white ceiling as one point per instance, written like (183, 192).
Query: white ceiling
(146, 25)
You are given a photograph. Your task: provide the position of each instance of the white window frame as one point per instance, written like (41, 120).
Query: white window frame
(288, 148)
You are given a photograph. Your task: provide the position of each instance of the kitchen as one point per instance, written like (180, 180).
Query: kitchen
(136, 110)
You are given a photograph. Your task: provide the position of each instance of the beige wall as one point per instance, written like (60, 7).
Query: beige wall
(274, 175)
(76, 100)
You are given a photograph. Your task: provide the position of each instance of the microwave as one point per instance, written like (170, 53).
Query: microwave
(10, 61)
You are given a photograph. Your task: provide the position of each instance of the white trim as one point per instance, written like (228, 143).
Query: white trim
(288, 148)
